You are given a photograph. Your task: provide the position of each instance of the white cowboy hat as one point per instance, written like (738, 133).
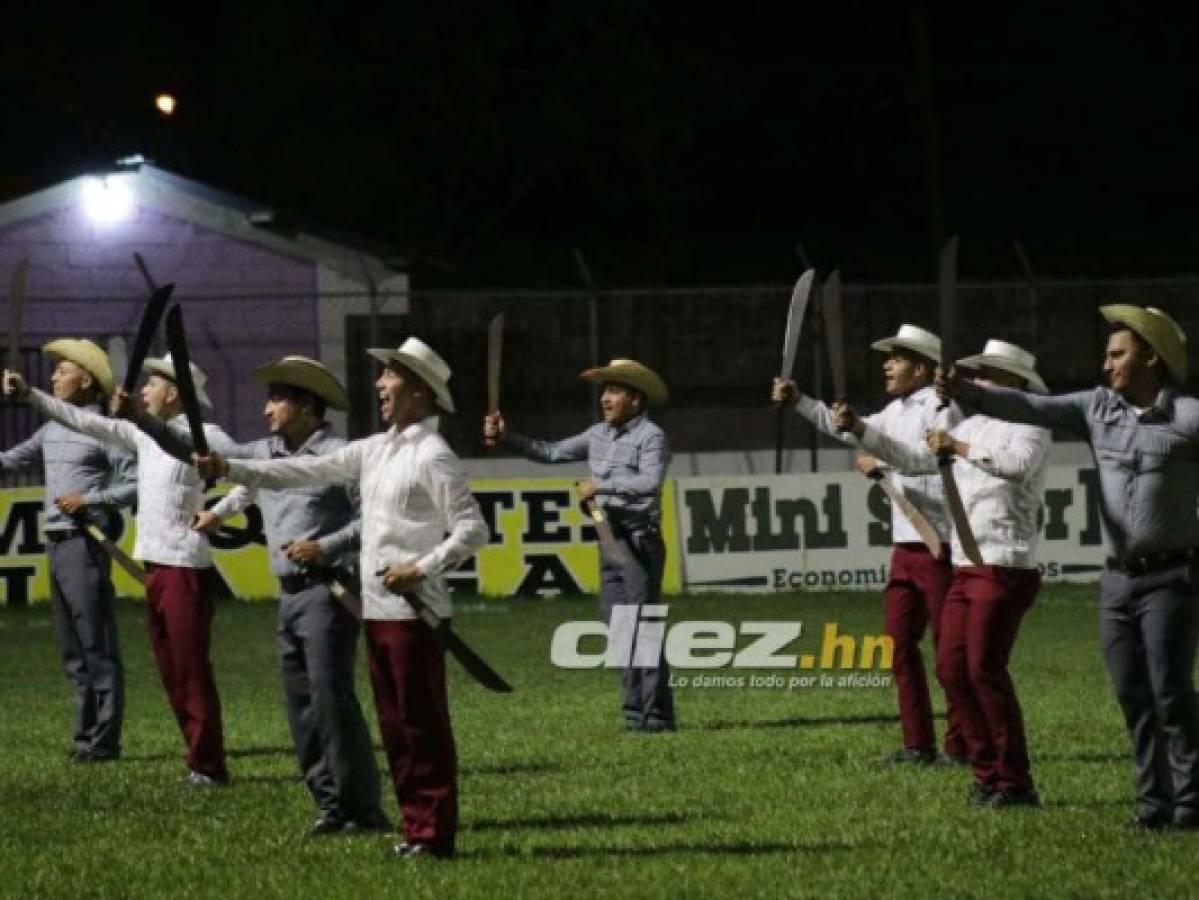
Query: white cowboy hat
(87, 355)
(166, 368)
(632, 374)
(419, 357)
(308, 375)
(1008, 358)
(909, 337)
(1159, 331)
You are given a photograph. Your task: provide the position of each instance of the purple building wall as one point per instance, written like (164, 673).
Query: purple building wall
(244, 303)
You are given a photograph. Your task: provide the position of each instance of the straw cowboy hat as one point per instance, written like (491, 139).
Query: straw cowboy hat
(917, 340)
(166, 368)
(1160, 332)
(1008, 358)
(87, 355)
(418, 357)
(631, 373)
(307, 375)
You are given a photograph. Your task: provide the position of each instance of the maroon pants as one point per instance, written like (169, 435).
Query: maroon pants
(179, 612)
(911, 602)
(407, 669)
(978, 630)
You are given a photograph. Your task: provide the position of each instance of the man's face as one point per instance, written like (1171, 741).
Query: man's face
(282, 409)
(158, 395)
(399, 392)
(1126, 363)
(902, 374)
(619, 404)
(69, 381)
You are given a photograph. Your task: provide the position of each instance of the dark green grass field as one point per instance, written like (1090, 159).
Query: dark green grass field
(762, 793)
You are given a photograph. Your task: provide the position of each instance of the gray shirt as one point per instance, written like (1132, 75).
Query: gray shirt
(628, 464)
(1148, 477)
(327, 514)
(106, 476)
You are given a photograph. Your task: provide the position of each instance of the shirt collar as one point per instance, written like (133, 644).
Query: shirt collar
(1161, 410)
(918, 396)
(279, 445)
(628, 427)
(431, 424)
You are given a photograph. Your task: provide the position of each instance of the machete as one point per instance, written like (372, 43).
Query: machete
(834, 334)
(177, 343)
(119, 556)
(495, 357)
(947, 288)
(603, 531)
(16, 308)
(795, 313)
(151, 316)
(458, 648)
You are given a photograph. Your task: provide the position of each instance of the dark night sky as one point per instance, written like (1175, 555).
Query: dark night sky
(674, 146)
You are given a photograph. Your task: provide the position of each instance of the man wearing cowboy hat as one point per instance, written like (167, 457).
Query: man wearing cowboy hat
(312, 533)
(917, 579)
(180, 579)
(628, 455)
(413, 491)
(1000, 468)
(1144, 434)
(84, 479)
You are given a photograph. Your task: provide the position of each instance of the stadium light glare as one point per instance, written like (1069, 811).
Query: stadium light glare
(107, 200)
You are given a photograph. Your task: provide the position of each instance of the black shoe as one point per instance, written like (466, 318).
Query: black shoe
(949, 759)
(1153, 821)
(908, 756)
(1011, 798)
(406, 850)
(980, 794)
(326, 825)
(656, 726)
(87, 757)
(1186, 819)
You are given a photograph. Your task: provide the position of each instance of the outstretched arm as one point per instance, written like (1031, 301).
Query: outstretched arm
(1067, 412)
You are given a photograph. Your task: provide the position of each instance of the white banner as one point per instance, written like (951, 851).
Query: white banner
(833, 531)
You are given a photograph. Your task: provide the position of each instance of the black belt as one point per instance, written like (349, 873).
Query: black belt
(301, 581)
(1151, 562)
(59, 535)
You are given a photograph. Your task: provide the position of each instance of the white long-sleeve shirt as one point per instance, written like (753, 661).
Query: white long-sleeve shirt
(1001, 481)
(906, 419)
(413, 491)
(169, 492)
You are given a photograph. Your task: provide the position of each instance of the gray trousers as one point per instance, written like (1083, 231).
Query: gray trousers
(1148, 626)
(648, 699)
(317, 642)
(82, 593)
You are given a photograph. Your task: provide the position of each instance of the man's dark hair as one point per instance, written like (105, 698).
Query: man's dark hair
(301, 398)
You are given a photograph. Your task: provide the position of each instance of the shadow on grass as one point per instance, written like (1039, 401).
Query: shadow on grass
(519, 768)
(584, 820)
(1086, 757)
(798, 722)
(739, 848)
(265, 779)
(241, 753)
(1088, 804)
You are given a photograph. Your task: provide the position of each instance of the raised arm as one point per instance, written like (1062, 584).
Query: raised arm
(24, 455)
(1022, 450)
(341, 467)
(1067, 412)
(110, 431)
(571, 449)
(909, 459)
(445, 480)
